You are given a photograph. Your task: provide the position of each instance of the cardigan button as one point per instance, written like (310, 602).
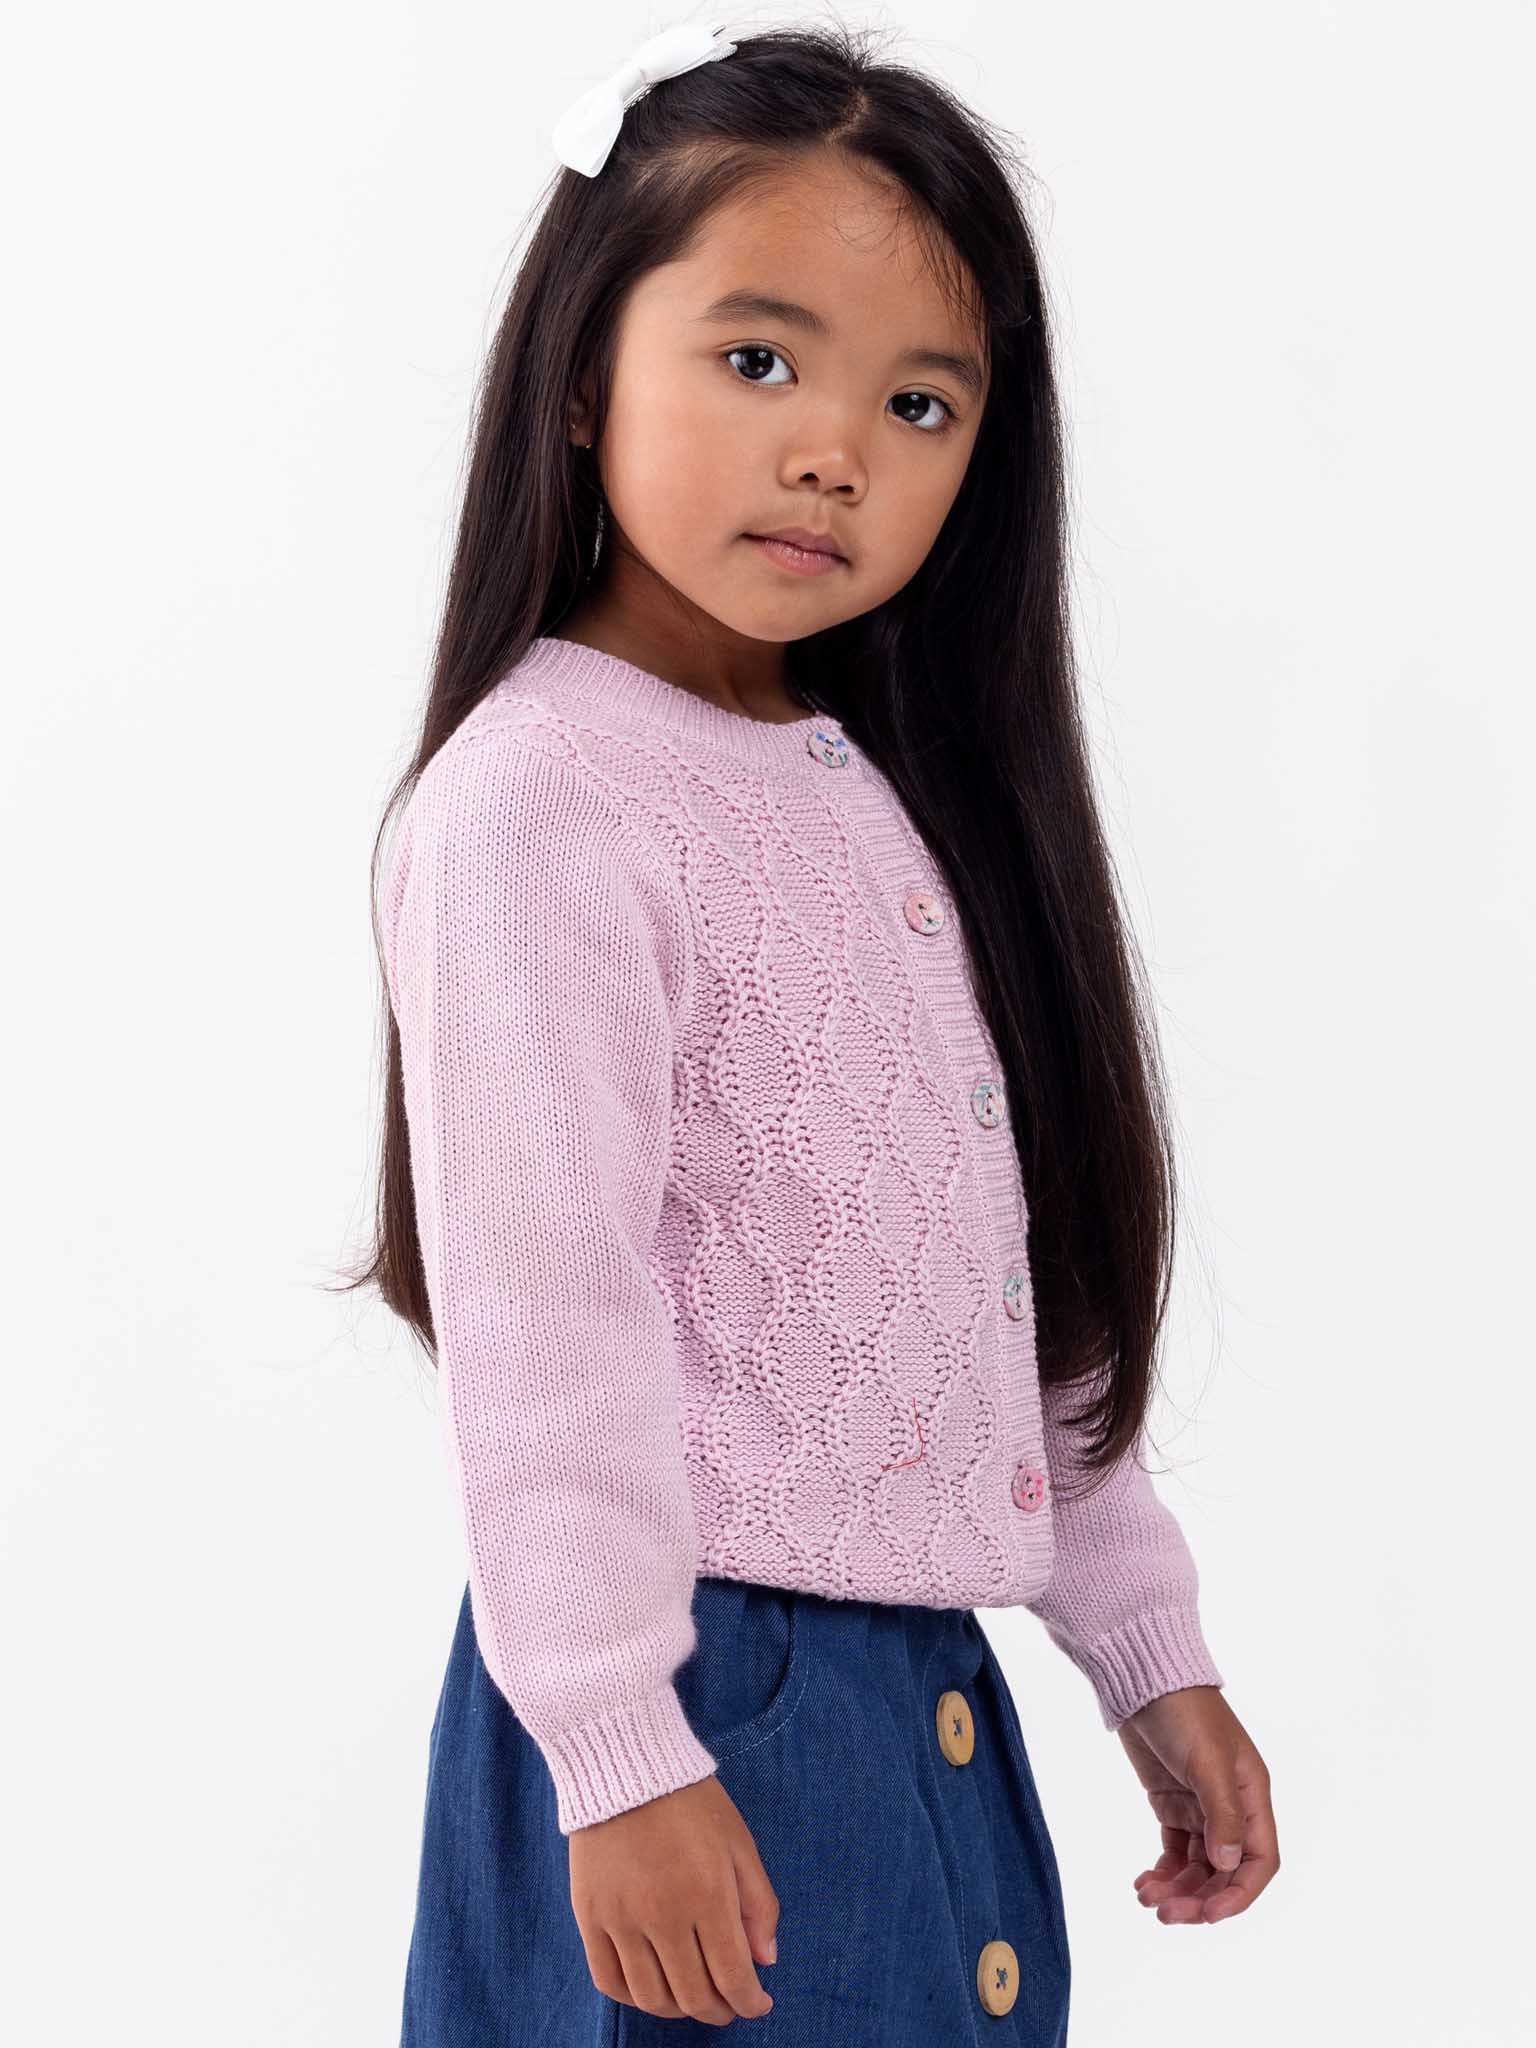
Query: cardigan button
(956, 1730)
(997, 1977)
(828, 747)
(987, 1102)
(924, 911)
(1016, 1295)
(1028, 1488)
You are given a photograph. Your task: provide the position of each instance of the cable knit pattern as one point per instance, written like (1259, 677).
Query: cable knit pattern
(723, 1229)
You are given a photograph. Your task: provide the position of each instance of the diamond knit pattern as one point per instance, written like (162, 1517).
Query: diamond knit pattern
(721, 1217)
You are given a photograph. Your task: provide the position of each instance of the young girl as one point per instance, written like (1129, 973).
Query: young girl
(775, 1163)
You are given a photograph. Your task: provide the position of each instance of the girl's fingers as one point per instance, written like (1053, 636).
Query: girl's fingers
(1224, 1811)
(605, 1965)
(1261, 1859)
(692, 1985)
(647, 1980)
(728, 1958)
(1184, 1894)
(1237, 1807)
(1154, 1885)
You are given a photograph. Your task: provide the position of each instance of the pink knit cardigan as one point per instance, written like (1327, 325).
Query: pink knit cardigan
(721, 1217)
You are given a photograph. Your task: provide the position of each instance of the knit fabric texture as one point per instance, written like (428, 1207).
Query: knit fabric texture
(721, 1218)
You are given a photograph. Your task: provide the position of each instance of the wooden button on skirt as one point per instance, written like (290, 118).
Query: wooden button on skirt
(876, 1755)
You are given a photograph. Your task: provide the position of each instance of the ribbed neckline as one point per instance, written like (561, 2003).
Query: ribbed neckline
(593, 675)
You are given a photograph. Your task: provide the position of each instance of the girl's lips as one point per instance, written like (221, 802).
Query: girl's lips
(803, 561)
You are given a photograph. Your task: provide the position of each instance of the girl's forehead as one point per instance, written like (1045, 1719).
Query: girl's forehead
(823, 214)
(772, 255)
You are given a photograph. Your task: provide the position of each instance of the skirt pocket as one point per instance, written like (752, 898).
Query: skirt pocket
(748, 1669)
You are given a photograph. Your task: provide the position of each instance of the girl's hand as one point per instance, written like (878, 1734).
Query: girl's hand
(1210, 1789)
(674, 1906)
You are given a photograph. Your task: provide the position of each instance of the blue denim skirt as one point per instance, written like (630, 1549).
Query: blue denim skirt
(919, 1899)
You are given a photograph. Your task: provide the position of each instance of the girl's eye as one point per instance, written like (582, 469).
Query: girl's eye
(925, 399)
(757, 351)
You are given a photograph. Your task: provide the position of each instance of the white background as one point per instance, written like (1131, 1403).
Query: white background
(255, 260)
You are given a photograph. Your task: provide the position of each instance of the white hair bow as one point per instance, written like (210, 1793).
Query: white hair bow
(589, 127)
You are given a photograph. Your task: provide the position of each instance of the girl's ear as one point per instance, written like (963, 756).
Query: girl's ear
(579, 426)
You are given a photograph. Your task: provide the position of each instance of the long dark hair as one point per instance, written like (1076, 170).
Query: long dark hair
(961, 687)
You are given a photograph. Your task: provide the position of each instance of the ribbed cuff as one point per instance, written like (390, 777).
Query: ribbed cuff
(623, 1759)
(1161, 1651)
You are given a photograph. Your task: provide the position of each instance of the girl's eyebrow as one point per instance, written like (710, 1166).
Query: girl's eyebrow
(747, 302)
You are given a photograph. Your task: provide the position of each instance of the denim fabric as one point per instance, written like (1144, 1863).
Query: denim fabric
(893, 1867)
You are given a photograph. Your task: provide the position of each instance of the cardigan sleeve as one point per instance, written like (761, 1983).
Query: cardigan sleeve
(1122, 1601)
(534, 952)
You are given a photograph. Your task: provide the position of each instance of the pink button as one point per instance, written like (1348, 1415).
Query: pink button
(1028, 1488)
(924, 911)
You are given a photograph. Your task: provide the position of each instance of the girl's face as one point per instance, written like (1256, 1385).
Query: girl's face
(800, 368)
